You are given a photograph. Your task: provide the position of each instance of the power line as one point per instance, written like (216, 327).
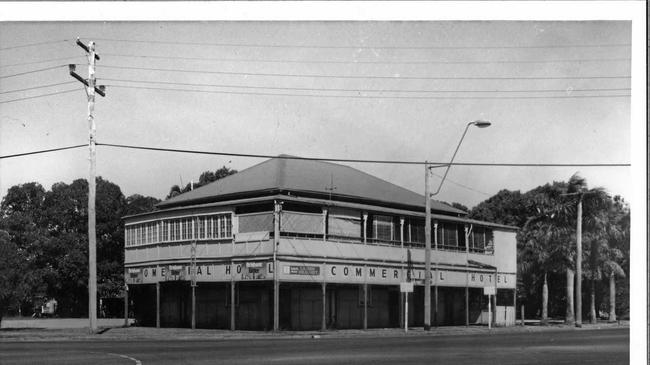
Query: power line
(362, 90)
(357, 47)
(41, 61)
(417, 62)
(33, 44)
(42, 151)
(461, 185)
(395, 77)
(38, 96)
(36, 87)
(394, 162)
(368, 96)
(31, 72)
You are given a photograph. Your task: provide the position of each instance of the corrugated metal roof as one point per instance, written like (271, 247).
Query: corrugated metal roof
(306, 176)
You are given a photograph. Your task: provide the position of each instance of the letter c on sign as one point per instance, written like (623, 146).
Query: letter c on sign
(334, 270)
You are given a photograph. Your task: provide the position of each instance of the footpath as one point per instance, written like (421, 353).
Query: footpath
(51, 330)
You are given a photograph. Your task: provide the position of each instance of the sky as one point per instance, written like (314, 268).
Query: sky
(446, 73)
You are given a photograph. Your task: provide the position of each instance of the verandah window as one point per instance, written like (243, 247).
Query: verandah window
(344, 223)
(384, 228)
(414, 231)
(256, 222)
(301, 222)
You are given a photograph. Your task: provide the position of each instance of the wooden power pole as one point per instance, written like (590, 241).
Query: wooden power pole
(92, 237)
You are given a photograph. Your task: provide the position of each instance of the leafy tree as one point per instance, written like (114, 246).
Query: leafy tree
(12, 283)
(205, 178)
(543, 235)
(506, 207)
(593, 202)
(459, 206)
(50, 230)
(173, 191)
(136, 204)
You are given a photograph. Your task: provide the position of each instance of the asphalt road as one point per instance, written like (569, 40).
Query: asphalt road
(607, 346)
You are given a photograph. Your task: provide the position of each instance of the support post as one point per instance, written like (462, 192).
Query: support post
(91, 88)
(323, 323)
(324, 224)
(157, 304)
(365, 306)
(435, 289)
(232, 304)
(193, 278)
(523, 320)
(427, 250)
(365, 228)
(514, 305)
(193, 306)
(276, 285)
(92, 237)
(489, 311)
(402, 317)
(126, 305)
(467, 277)
(406, 312)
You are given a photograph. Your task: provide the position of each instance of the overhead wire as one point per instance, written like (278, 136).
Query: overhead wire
(37, 87)
(394, 77)
(368, 96)
(461, 185)
(358, 47)
(360, 89)
(390, 62)
(31, 71)
(41, 61)
(41, 151)
(396, 162)
(33, 44)
(39, 96)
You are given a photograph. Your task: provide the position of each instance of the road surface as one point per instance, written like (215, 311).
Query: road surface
(607, 346)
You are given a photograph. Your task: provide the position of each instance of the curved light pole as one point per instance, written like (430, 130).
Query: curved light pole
(427, 223)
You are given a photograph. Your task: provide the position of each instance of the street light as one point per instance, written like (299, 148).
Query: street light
(427, 223)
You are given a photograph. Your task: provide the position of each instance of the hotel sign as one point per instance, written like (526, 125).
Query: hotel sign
(330, 273)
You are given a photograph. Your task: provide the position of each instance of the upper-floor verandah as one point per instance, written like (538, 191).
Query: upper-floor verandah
(333, 222)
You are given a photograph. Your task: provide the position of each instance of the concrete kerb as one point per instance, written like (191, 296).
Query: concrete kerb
(183, 334)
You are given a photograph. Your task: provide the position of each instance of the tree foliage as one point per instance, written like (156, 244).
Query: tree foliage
(205, 178)
(49, 232)
(12, 281)
(546, 218)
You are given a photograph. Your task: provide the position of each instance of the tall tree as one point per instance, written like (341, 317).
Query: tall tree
(589, 204)
(50, 230)
(544, 235)
(136, 204)
(12, 283)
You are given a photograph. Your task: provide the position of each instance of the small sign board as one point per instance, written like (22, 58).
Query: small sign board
(406, 287)
(489, 290)
(302, 270)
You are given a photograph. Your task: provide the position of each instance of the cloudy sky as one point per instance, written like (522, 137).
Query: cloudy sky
(555, 92)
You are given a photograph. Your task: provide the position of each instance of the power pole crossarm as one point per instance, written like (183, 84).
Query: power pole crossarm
(101, 89)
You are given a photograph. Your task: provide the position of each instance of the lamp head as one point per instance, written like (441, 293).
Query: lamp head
(482, 123)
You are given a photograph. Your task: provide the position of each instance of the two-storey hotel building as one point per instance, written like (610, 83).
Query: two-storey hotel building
(302, 245)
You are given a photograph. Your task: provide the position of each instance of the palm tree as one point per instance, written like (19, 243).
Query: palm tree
(614, 255)
(594, 200)
(543, 235)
